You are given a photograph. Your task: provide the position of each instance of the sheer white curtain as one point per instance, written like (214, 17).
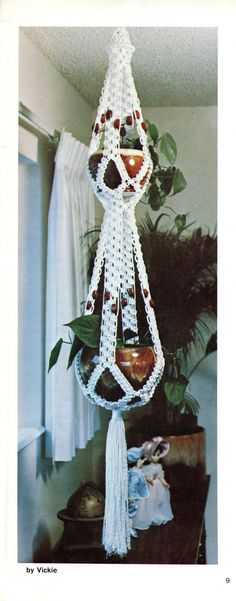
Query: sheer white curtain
(70, 420)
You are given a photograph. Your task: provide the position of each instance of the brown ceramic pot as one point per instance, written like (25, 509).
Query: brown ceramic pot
(132, 159)
(186, 457)
(135, 362)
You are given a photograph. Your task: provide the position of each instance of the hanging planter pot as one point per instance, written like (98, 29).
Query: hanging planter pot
(135, 362)
(133, 161)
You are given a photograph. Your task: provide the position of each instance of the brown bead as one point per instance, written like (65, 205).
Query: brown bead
(137, 114)
(145, 292)
(152, 303)
(131, 292)
(129, 120)
(89, 305)
(96, 128)
(107, 295)
(144, 126)
(95, 294)
(114, 308)
(116, 123)
(108, 114)
(124, 302)
(103, 118)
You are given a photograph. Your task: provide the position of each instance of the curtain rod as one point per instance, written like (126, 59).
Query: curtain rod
(32, 119)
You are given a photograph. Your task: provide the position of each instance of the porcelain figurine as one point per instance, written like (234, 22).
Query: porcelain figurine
(153, 508)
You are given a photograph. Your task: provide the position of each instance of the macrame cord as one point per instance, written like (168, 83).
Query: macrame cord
(118, 252)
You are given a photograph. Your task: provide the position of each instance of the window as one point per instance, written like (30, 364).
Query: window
(35, 179)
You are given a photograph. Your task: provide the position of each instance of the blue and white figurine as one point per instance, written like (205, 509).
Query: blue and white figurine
(150, 497)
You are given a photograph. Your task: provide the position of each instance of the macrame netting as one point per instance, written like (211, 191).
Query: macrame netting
(119, 254)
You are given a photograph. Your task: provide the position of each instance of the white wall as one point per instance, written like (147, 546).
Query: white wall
(44, 489)
(49, 95)
(195, 133)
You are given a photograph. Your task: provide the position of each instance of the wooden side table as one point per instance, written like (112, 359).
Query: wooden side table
(80, 533)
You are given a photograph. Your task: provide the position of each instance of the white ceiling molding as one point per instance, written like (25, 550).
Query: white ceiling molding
(172, 66)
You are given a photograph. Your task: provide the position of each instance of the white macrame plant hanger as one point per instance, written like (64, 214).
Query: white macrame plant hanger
(118, 251)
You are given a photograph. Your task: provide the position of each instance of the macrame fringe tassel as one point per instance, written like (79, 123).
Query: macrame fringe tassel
(116, 527)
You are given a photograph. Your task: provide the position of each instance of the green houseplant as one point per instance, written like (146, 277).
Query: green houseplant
(183, 286)
(165, 180)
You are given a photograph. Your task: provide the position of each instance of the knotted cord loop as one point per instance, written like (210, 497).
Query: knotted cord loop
(119, 187)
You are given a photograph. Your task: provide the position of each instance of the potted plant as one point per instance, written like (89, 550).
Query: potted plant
(135, 360)
(183, 286)
(164, 179)
(129, 149)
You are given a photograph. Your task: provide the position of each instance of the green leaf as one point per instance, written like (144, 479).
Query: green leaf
(55, 354)
(87, 329)
(153, 132)
(168, 148)
(166, 177)
(212, 344)
(76, 346)
(137, 144)
(156, 224)
(156, 197)
(127, 143)
(180, 222)
(179, 182)
(128, 333)
(154, 155)
(153, 177)
(190, 405)
(175, 389)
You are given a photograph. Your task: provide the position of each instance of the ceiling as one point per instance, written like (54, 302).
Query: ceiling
(172, 66)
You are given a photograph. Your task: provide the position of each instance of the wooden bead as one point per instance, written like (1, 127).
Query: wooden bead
(103, 118)
(144, 126)
(137, 114)
(131, 292)
(129, 120)
(108, 114)
(95, 294)
(152, 303)
(124, 302)
(145, 292)
(89, 305)
(114, 308)
(116, 123)
(107, 295)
